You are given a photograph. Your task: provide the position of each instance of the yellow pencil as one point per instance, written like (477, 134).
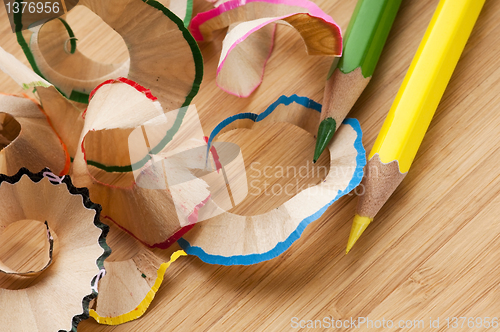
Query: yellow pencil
(414, 106)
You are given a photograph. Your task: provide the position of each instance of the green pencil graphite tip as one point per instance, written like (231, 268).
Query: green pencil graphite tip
(325, 133)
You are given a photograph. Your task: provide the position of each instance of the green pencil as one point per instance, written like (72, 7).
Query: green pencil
(363, 43)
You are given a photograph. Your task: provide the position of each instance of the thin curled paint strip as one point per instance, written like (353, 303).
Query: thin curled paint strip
(98, 277)
(217, 162)
(53, 178)
(133, 84)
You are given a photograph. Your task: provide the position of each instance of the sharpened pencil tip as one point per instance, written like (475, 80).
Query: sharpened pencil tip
(326, 130)
(359, 225)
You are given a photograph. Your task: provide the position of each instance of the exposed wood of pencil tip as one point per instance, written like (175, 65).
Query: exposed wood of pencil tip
(341, 93)
(379, 183)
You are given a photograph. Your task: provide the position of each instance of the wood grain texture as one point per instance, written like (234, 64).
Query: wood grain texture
(434, 248)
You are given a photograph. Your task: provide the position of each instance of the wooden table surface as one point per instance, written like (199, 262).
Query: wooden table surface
(433, 250)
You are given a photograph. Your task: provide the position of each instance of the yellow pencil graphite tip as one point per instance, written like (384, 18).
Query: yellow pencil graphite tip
(359, 225)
